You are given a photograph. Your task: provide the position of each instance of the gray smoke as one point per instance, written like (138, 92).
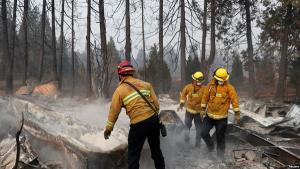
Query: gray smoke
(9, 122)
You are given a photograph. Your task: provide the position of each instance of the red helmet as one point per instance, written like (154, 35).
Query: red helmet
(125, 67)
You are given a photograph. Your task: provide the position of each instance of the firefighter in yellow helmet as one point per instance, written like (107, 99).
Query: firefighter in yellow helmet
(216, 101)
(144, 122)
(190, 98)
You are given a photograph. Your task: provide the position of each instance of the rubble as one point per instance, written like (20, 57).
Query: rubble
(249, 165)
(294, 116)
(274, 119)
(8, 153)
(171, 120)
(266, 114)
(250, 155)
(77, 133)
(272, 110)
(59, 131)
(71, 143)
(47, 89)
(245, 154)
(24, 90)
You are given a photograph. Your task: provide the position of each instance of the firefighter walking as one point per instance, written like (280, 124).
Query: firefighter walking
(216, 101)
(144, 122)
(190, 98)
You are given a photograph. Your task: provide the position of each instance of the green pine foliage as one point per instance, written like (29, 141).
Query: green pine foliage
(113, 52)
(237, 74)
(264, 72)
(295, 75)
(159, 76)
(265, 68)
(115, 59)
(193, 63)
(34, 45)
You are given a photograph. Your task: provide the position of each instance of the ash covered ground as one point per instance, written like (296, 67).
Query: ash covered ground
(78, 125)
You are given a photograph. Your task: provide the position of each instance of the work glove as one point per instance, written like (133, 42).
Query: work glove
(180, 107)
(107, 133)
(202, 114)
(237, 117)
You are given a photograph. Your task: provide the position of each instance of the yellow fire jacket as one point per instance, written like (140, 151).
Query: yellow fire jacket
(136, 108)
(191, 96)
(217, 99)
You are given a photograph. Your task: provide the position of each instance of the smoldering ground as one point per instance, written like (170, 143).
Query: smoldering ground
(68, 132)
(9, 121)
(179, 153)
(92, 116)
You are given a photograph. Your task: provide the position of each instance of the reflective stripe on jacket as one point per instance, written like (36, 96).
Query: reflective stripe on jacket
(191, 95)
(217, 99)
(136, 108)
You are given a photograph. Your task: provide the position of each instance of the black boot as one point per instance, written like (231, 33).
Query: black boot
(187, 136)
(197, 144)
(220, 155)
(198, 140)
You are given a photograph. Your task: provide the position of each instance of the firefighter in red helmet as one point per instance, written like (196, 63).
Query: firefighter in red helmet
(144, 122)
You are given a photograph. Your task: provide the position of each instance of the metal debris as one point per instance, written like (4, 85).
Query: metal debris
(8, 150)
(279, 154)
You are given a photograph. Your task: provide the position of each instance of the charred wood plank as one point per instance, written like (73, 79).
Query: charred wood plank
(281, 155)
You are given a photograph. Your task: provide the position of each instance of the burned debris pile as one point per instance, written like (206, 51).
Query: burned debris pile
(52, 139)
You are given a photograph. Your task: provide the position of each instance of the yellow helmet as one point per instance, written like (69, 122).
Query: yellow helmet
(198, 76)
(221, 74)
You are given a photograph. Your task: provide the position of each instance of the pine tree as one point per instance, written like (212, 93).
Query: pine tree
(65, 61)
(88, 49)
(189, 71)
(115, 59)
(128, 38)
(281, 29)
(193, 63)
(54, 64)
(182, 43)
(34, 49)
(72, 49)
(295, 76)
(237, 74)
(42, 55)
(62, 47)
(265, 71)
(159, 76)
(5, 37)
(25, 21)
(196, 64)
(104, 57)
